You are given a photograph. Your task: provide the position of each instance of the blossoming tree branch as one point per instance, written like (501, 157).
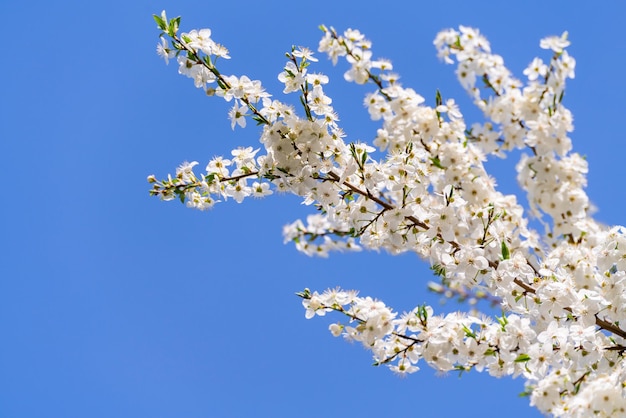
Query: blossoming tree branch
(562, 290)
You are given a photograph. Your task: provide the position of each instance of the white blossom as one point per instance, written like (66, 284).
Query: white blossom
(421, 186)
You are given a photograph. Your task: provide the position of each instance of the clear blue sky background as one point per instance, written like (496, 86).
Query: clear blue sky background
(114, 304)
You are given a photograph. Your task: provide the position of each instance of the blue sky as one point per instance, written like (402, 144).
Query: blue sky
(113, 303)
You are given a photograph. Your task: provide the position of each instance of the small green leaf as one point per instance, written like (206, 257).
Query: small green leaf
(469, 332)
(505, 251)
(438, 270)
(422, 313)
(461, 369)
(503, 321)
(436, 162)
(160, 22)
(172, 26)
(522, 358)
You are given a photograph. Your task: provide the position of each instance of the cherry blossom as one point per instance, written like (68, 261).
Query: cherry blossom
(561, 291)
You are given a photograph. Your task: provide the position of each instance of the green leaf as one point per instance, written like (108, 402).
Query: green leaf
(437, 162)
(422, 313)
(522, 358)
(172, 27)
(438, 270)
(505, 251)
(353, 150)
(160, 22)
(502, 320)
(469, 332)
(461, 369)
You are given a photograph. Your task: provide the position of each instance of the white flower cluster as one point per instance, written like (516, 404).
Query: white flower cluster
(507, 346)
(563, 290)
